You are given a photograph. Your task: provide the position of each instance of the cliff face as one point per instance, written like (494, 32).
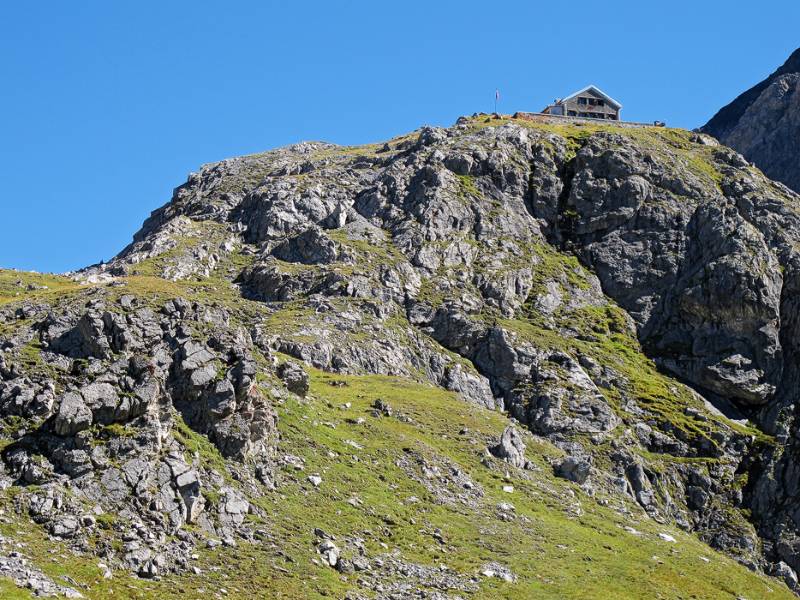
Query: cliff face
(463, 343)
(764, 124)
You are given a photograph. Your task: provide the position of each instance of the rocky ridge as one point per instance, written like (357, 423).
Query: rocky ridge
(763, 123)
(625, 296)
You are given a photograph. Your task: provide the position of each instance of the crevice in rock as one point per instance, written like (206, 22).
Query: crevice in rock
(564, 225)
(777, 416)
(553, 210)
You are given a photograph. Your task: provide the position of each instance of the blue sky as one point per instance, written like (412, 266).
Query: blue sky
(105, 107)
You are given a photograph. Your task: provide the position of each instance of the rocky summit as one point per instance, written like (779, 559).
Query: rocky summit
(513, 358)
(763, 123)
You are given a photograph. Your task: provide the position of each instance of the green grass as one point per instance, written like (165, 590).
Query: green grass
(45, 287)
(556, 551)
(30, 357)
(383, 252)
(112, 431)
(197, 443)
(597, 557)
(466, 184)
(9, 591)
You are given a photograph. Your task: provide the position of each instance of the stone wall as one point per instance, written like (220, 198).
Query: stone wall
(558, 119)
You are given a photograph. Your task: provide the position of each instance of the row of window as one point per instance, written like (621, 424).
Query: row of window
(591, 101)
(591, 115)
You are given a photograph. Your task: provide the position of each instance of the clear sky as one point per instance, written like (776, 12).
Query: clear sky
(105, 107)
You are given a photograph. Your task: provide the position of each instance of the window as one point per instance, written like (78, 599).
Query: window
(582, 100)
(601, 103)
(571, 113)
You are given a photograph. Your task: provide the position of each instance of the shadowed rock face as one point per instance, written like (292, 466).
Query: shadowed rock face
(698, 278)
(764, 124)
(536, 269)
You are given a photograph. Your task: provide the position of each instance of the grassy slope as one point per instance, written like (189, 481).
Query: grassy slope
(14, 286)
(562, 544)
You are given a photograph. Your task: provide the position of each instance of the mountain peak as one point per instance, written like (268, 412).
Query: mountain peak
(763, 123)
